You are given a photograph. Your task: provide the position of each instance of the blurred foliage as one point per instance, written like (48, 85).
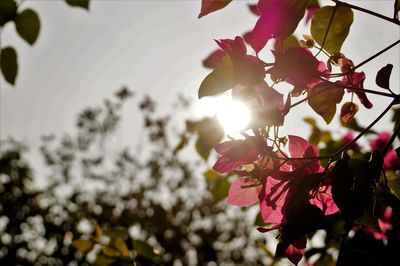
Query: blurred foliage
(107, 206)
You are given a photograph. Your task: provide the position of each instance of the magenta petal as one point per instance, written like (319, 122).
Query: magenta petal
(213, 59)
(296, 250)
(225, 165)
(391, 161)
(224, 147)
(261, 34)
(272, 199)
(243, 193)
(356, 80)
(324, 201)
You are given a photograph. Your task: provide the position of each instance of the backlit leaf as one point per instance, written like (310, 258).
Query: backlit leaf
(9, 64)
(209, 6)
(348, 111)
(27, 24)
(339, 28)
(83, 245)
(79, 3)
(121, 246)
(383, 76)
(219, 80)
(220, 189)
(324, 97)
(394, 184)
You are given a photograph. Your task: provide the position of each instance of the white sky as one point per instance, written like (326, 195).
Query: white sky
(153, 47)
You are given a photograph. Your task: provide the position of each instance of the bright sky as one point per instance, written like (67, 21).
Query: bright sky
(153, 47)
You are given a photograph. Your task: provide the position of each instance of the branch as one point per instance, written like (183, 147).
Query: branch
(391, 140)
(348, 145)
(372, 13)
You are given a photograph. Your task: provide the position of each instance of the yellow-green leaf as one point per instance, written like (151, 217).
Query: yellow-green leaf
(338, 30)
(79, 3)
(9, 64)
(27, 24)
(323, 99)
(121, 246)
(220, 189)
(83, 245)
(218, 81)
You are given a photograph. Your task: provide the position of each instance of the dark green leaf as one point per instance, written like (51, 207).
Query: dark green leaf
(27, 24)
(8, 11)
(9, 64)
(398, 152)
(324, 98)
(354, 183)
(218, 81)
(369, 220)
(143, 249)
(383, 76)
(79, 3)
(339, 28)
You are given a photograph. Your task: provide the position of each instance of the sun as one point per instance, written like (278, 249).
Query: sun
(233, 115)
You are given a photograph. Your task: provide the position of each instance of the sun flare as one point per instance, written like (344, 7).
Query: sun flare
(234, 116)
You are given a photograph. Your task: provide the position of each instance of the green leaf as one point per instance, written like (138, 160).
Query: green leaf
(210, 133)
(211, 175)
(324, 97)
(143, 249)
(9, 64)
(27, 24)
(287, 43)
(83, 245)
(339, 28)
(8, 11)
(218, 81)
(383, 76)
(209, 6)
(220, 189)
(394, 184)
(79, 3)
(398, 152)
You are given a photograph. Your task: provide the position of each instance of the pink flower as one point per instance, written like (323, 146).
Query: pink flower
(244, 191)
(310, 12)
(391, 160)
(285, 188)
(380, 142)
(384, 224)
(248, 69)
(238, 152)
(349, 137)
(298, 66)
(356, 80)
(278, 19)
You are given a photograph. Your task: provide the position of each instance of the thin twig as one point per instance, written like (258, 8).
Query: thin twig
(372, 13)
